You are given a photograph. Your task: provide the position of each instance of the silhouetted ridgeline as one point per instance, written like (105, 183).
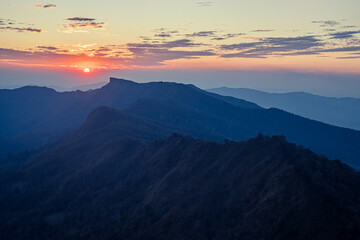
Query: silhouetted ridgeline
(110, 180)
(343, 112)
(33, 116)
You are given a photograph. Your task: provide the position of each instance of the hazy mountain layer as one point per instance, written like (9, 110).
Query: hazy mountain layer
(34, 116)
(343, 112)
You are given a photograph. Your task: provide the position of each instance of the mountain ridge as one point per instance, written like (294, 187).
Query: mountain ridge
(183, 107)
(178, 187)
(344, 111)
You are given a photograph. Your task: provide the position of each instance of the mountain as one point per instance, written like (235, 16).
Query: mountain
(109, 123)
(241, 124)
(87, 87)
(110, 180)
(30, 116)
(343, 112)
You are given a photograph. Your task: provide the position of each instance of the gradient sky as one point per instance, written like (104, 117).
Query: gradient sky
(320, 37)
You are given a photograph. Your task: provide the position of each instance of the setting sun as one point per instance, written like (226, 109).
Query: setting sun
(86, 70)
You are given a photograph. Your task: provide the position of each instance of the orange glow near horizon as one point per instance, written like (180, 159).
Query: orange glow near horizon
(59, 38)
(88, 65)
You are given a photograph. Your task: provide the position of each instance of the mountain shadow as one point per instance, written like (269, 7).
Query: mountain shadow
(100, 185)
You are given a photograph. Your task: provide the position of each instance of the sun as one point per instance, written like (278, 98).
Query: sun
(86, 70)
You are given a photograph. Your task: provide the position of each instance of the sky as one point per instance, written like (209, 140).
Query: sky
(222, 42)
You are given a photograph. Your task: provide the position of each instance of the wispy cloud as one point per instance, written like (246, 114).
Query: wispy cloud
(263, 30)
(295, 46)
(81, 19)
(181, 43)
(349, 57)
(110, 56)
(157, 56)
(165, 33)
(166, 44)
(349, 26)
(327, 23)
(59, 58)
(273, 46)
(28, 29)
(201, 34)
(343, 35)
(227, 36)
(6, 21)
(50, 48)
(82, 22)
(49, 6)
(46, 6)
(341, 49)
(205, 3)
(12, 25)
(333, 26)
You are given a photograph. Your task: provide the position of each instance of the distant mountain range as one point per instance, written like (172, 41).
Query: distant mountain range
(31, 117)
(87, 87)
(343, 112)
(159, 161)
(111, 179)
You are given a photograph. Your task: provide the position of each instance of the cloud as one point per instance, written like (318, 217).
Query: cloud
(201, 34)
(6, 22)
(12, 25)
(343, 35)
(155, 53)
(263, 30)
(205, 4)
(214, 35)
(47, 48)
(327, 23)
(49, 6)
(27, 29)
(181, 43)
(294, 46)
(110, 56)
(21, 55)
(341, 49)
(241, 46)
(157, 56)
(273, 46)
(57, 58)
(46, 6)
(167, 44)
(243, 55)
(81, 22)
(163, 33)
(330, 29)
(349, 26)
(349, 57)
(81, 19)
(227, 36)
